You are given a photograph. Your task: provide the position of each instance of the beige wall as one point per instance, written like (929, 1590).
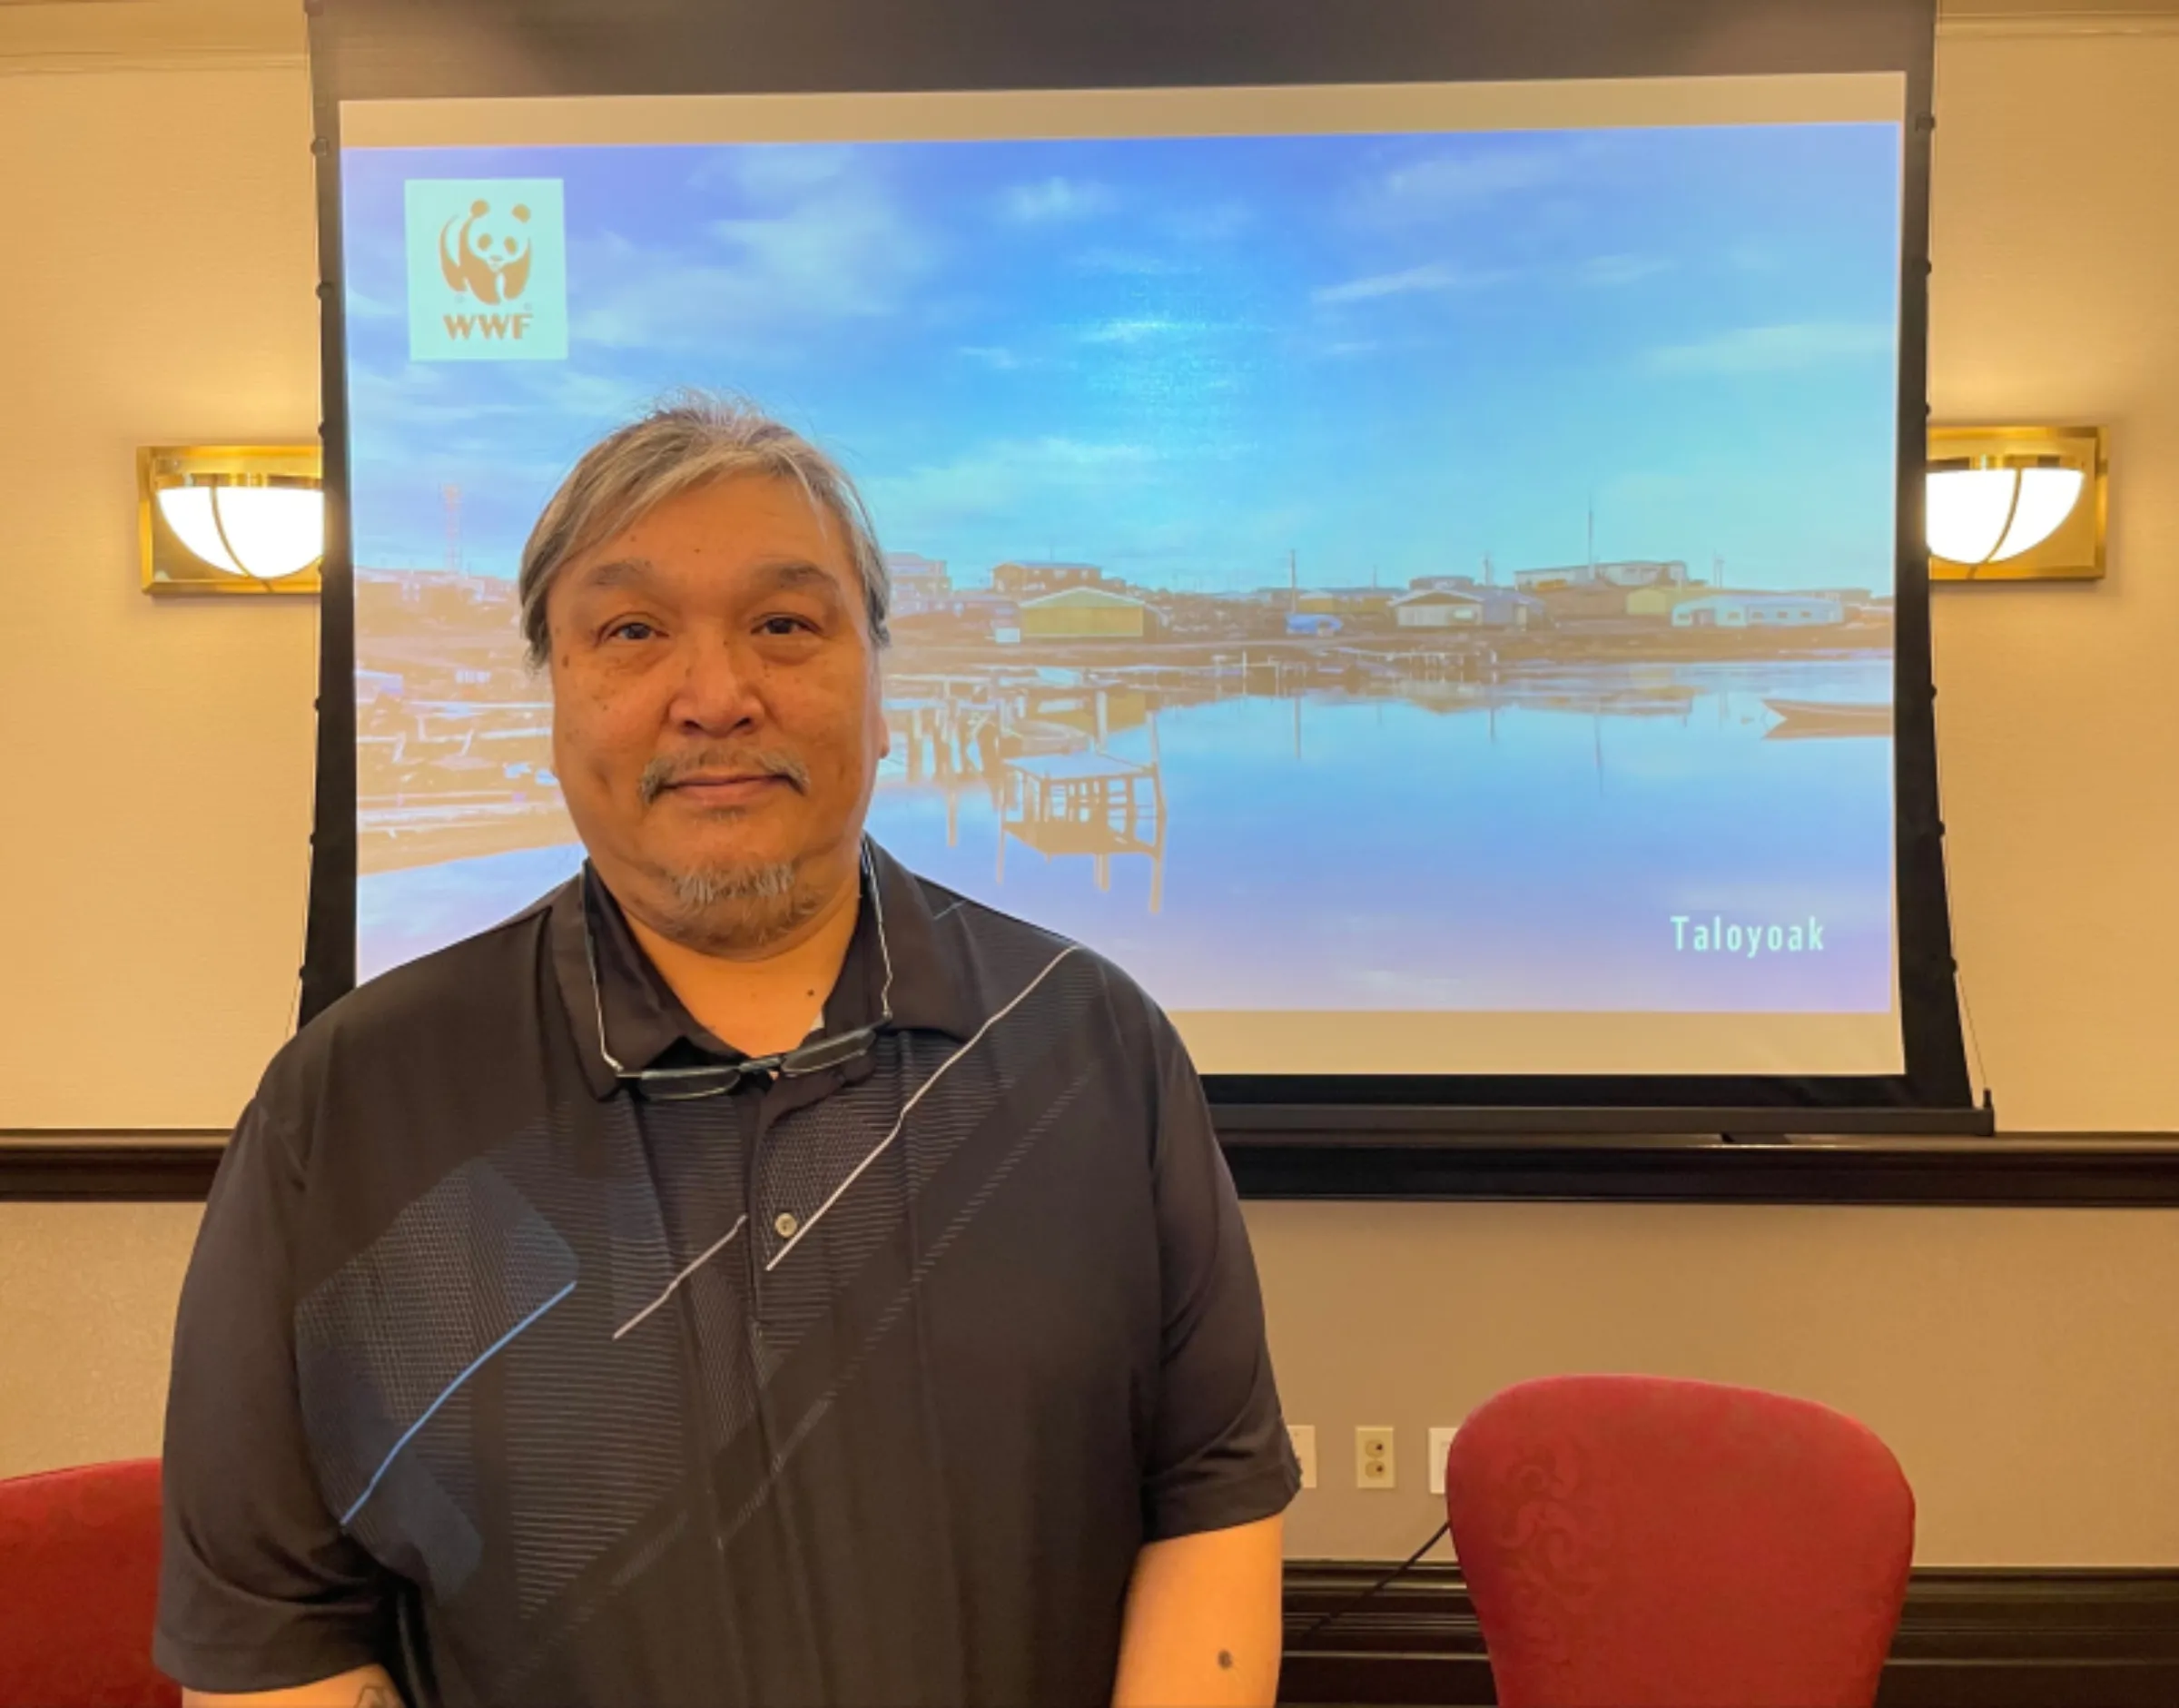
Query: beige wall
(2025, 1363)
(86, 1309)
(157, 287)
(2022, 1364)
(2055, 243)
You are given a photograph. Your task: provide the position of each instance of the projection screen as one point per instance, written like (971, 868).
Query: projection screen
(1417, 567)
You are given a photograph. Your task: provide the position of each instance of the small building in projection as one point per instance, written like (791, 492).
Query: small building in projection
(1759, 610)
(1662, 601)
(1030, 577)
(1440, 608)
(372, 685)
(1640, 572)
(1344, 601)
(1502, 607)
(920, 584)
(1084, 614)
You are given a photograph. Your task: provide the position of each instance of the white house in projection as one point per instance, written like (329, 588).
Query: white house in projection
(1438, 608)
(920, 584)
(1758, 610)
(1643, 572)
(1458, 602)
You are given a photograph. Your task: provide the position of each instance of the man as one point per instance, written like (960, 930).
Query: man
(753, 1274)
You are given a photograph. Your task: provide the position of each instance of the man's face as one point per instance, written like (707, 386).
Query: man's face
(717, 719)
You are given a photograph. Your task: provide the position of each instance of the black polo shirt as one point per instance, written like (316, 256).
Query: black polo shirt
(862, 1386)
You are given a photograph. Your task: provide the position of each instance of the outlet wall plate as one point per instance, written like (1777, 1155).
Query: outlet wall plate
(1304, 1438)
(1375, 1467)
(1440, 1444)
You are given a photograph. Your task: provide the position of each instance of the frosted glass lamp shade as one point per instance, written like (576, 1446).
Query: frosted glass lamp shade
(267, 533)
(1979, 516)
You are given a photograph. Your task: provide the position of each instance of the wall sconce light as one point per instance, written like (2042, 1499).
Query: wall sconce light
(231, 518)
(2017, 503)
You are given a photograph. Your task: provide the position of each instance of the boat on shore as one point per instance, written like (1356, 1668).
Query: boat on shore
(1831, 717)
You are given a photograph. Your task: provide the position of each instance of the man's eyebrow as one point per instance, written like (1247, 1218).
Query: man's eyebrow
(777, 574)
(616, 572)
(787, 574)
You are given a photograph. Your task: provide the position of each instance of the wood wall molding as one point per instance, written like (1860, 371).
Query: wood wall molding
(2048, 1170)
(1970, 1638)
(113, 36)
(2081, 1171)
(145, 1165)
(1973, 18)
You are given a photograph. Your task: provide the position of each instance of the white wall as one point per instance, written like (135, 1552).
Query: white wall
(2026, 1364)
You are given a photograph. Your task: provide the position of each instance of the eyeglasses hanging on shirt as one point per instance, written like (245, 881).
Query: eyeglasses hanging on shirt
(673, 1085)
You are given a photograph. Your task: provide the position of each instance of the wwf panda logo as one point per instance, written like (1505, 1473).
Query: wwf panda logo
(486, 257)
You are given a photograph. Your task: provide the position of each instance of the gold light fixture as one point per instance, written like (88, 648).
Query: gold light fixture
(231, 518)
(2017, 503)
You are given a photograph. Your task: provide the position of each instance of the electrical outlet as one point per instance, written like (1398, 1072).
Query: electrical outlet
(1304, 1438)
(1440, 1444)
(1373, 1456)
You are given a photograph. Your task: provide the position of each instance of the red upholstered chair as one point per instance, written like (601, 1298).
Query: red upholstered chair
(79, 1579)
(1635, 1543)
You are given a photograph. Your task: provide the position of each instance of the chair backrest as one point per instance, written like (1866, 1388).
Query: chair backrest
(79, 1583)
(1635, 1543)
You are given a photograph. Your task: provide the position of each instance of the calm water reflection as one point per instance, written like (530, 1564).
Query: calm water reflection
(1524, 844)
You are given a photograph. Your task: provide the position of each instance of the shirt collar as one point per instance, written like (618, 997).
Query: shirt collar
(644, 1021)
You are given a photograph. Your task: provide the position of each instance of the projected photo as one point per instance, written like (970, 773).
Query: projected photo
(1405, 575)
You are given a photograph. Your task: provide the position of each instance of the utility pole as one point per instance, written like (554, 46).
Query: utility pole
(1293, 582)
(450, 495)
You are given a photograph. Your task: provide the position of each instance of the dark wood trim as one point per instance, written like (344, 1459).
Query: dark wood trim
(1415, 1642)
(1970, 1638)
(2057, 1170)
(1393, 1120)
(152, 1165)
(2052, 1170)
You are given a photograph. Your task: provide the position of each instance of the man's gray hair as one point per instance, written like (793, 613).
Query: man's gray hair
(685, 441)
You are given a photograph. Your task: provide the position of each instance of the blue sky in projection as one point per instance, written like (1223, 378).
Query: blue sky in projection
(1181, 358)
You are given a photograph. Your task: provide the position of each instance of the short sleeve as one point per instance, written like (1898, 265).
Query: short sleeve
(258, 1587)
(1220, 1455)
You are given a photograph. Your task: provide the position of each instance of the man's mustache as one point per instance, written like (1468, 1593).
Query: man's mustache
(662, 774)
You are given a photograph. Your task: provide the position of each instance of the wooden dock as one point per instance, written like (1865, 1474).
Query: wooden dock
(1088, 804)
